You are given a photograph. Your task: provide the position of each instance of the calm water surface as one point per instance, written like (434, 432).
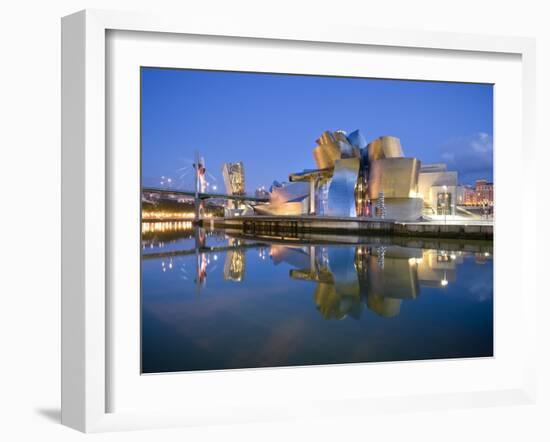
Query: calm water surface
(214, 301)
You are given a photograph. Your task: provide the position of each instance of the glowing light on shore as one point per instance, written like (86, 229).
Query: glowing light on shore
(165, 226)
(160, 215)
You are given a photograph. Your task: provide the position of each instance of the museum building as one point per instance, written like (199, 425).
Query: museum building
(355, 178)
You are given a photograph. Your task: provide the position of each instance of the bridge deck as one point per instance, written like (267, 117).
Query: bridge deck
(203, 196)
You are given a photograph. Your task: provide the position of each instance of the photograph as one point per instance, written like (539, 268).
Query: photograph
(303, 220)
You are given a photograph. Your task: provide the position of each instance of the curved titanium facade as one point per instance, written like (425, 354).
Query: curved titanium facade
(289, 199)
(332, 147)
(384, 147)
(357, 139)
(326, 138)
(326, 154)
(357, 174)
(396, 177)
(341, 193)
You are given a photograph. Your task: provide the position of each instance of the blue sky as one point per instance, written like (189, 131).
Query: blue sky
(271, 122)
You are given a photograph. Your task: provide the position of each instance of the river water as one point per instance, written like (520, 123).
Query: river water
(213, 300)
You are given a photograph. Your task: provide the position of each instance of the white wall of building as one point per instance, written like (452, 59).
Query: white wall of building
(432, 183)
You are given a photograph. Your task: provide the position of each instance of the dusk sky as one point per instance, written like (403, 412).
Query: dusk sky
(271, 122)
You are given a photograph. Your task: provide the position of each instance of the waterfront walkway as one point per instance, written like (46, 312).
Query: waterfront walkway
(294, 225)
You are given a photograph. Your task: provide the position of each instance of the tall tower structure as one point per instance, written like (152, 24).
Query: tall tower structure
(233, 178)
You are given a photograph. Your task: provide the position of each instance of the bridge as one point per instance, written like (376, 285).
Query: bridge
(202, 195)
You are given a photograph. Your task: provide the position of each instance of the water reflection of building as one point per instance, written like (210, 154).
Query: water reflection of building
(482, 257)
(234, 266)
(379, 277)
(437, 268)
(347, 278)
(356, 178)
(202, 266)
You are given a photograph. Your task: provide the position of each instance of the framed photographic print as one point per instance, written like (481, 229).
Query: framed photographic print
(267, 222)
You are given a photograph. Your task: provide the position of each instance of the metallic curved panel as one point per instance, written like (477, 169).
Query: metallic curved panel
(326, 138)
(391, 147)
(340, 135)
(347, 150)
(341, 192)
(286, 199)
(289, 192)
(297, 208)
(396, 177)
(326, 154)
(384, 147)
(374, 150)
(357, 139)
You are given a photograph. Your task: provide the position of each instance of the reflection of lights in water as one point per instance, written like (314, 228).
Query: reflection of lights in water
(381, 255)
(203, 264)
(215, 257)
(184, 272)
(234, 265)
(262, 253)
(165, 226)
(444, 281)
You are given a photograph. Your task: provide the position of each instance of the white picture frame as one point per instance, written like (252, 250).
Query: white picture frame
(85, 197)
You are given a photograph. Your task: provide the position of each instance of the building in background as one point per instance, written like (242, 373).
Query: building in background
(481, 194)
(261, 192)
(484, 193)
(469, 196)
(233, 177)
